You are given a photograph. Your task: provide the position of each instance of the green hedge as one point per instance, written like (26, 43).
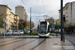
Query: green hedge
(69, 28)
(33, 33)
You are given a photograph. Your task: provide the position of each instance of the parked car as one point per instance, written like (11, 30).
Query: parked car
(25, 31)
(16, 32)
(60, 30)
(28, 31)
(56, 31)
(21, 32)
(8, 32)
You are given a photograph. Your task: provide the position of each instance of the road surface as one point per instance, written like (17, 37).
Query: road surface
(34, 43)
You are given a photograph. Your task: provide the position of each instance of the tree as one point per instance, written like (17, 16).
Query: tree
(51, 21)
(28, 25)
(23, 24)
(57, 26)
(38, 28)
(32, 24)
(20, 25)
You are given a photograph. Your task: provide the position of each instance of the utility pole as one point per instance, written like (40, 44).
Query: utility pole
(39, 20)
(30, 20)
(56, 28)
(45, 16)
(62, 36)
(4, 26)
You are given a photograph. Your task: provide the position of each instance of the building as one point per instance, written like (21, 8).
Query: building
(26, 17)
(20, 10)
(56, 21)
(69, 12)
(6, 11)
(15, 23)
(16, 18)
(10, 17)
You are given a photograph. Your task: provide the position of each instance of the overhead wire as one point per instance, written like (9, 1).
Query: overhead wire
(53, 6)
(25, 4)
(43, 6)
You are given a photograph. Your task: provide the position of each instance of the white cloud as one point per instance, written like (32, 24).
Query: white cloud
(1, 1)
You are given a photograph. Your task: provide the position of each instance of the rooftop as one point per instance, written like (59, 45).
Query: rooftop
(5, 6)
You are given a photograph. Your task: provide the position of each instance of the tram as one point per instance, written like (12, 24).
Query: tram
(44, 29)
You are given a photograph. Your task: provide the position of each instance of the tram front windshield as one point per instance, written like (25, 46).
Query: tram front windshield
(43, 27)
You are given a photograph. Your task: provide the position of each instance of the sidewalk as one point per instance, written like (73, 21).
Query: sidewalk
(57, 44)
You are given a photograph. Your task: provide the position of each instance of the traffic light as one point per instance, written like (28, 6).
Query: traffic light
(23, 24)
(64, 18)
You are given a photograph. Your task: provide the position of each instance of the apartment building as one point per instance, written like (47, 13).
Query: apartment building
(15, 23)
(69, 12)
(26, 17)
(12, 18)
(6, 11)
(16, 18)
(20, 10)
(56, 21)
(9, 16)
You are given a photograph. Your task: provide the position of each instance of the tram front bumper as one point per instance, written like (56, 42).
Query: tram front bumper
(43, 35)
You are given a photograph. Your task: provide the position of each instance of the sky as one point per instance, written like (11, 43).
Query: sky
(39, 8)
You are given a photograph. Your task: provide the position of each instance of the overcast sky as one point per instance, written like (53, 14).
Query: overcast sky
(39, 7)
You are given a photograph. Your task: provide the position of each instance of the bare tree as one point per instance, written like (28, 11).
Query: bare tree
(51, 21)
(28, 24)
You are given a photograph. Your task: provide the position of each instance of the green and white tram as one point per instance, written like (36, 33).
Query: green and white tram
(44, 29)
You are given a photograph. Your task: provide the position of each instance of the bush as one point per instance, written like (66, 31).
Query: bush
(57, 26)
(33, 33)
(69, 29)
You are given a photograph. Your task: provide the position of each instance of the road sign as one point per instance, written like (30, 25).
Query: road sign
(53, 26)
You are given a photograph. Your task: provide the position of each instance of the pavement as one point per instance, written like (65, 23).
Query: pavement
(34, 43)
(69, 37)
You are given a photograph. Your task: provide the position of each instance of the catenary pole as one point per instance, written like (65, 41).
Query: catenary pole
(30, 19)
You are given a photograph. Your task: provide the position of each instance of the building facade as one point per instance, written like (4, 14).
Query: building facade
(20, 10)
(6, 11)
(56, 21)
(16, 22)
(69, 12)
(9, 16)
(12, 18)
(16, 18)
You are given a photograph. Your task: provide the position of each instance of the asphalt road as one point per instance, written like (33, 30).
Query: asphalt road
(31, 43)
